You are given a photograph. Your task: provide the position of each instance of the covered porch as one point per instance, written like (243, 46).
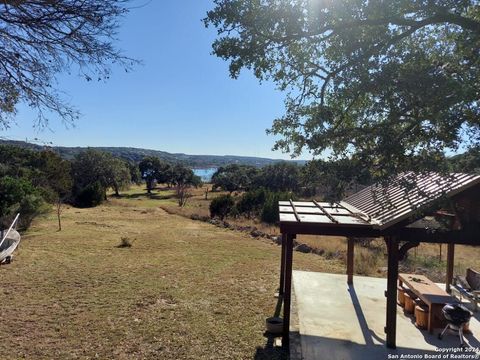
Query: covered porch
(390, 213)
(341, 321)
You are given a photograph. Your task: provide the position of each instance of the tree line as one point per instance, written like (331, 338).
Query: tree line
(32, 181)
(318, 177)
(262, 188)
(153, 171)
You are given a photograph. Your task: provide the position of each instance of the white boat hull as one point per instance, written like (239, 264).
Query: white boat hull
(9, 245)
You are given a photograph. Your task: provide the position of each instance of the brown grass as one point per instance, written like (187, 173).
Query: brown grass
(368, 261)
(184, 290)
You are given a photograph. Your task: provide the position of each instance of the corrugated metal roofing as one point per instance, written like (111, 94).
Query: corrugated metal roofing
(379, 206)
(395, 201)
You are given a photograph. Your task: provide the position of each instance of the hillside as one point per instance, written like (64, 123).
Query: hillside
(136, 154)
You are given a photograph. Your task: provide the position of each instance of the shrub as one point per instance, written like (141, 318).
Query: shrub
(251, 202)
(270, 207)
(91, 195)
(31, 206)
(221, 206)
(19, 195)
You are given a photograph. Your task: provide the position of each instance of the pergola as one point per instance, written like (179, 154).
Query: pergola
(390, 211)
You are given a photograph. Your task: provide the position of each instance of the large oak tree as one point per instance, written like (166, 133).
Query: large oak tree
(392, 83)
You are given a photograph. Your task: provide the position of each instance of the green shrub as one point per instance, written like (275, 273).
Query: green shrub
(251, 202)
(19, 195)
(91, 195)
(221, 206)
(270, 206)
(270, 209)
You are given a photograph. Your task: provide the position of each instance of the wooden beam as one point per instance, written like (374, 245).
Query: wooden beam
(450, 265)
(350, 255)
(391, 293)
(287, 295)
(294, 210)
(328, 229)
(421, 235)
(282, 265)
(325, 212)
(402, 253)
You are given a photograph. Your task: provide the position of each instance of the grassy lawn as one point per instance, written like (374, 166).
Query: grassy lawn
(184, 290)
(370, 261)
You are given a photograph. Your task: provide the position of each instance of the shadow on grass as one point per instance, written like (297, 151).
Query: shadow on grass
(144, 195)
(270, 351)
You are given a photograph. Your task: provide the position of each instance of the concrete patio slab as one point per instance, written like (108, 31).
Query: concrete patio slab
(337, 321)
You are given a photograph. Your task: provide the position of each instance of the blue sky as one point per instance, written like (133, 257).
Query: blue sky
(180, 100)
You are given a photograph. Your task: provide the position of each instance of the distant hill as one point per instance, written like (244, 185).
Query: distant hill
(136, 154)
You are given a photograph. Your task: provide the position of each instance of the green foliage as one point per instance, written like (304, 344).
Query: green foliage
(251, 202)
(234, 177)
(18, 195)
(392, 85)
(95, 171)
(135, 155)
(466, 162)
(29, 179)
(332, 179)
(90, 195)
(57, 176)
(135, 175)
(282, 176)
(153, 170)
(221, 206)
(118, 175)
(270, 207)
(261, 203)
(182, 175)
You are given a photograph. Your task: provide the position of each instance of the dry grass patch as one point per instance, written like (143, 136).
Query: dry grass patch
(185, 290)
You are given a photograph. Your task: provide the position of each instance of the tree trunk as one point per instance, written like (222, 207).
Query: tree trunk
(59, 211)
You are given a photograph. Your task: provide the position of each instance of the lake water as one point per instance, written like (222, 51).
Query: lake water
(205, 173)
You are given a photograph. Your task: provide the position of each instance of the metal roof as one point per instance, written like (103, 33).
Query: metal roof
(379, 206)
(395, 201)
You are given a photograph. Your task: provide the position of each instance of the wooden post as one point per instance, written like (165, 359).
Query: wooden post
(350, 254)
(450, 264)
(391, 293)
(287, 296)
(282, 265)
